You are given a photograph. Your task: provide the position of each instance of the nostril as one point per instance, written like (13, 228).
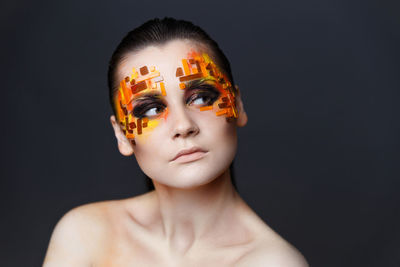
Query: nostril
(186, 133)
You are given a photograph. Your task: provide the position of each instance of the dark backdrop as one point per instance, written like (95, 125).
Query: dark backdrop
(318, 160)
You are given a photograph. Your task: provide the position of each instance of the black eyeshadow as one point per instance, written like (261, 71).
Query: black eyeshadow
(203, 90)
(145, 104)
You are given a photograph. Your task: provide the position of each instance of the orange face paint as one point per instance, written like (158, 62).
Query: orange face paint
(146, 80)
(200, 66)
(195, 67)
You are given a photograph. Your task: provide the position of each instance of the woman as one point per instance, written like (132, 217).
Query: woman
(176, 110)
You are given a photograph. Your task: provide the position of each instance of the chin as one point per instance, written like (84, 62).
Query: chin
(193, 181)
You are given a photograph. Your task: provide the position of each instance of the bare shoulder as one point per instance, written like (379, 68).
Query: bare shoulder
(270, 249)
(77, 235)
(277, 255)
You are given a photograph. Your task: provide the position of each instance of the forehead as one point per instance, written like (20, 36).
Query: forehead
(166, 57)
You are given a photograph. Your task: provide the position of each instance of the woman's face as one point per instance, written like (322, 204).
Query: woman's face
(182, 120)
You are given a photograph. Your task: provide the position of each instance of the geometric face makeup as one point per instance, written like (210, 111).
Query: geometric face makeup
(198, 68)
(139, 101)
(133, 88)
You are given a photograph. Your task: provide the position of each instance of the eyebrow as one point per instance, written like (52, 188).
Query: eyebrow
(194, 84)
(153, 94)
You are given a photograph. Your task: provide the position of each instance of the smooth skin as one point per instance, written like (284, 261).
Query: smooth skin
(195, 217)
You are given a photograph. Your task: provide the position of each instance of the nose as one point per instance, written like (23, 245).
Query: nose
(183, 124)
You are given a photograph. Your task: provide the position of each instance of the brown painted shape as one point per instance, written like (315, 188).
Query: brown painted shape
(223, 105)
(144, 124)
(144, 70)
(139, 126)
(124, 110)
(191, 77)
(198, 66)
(179, 72)
(132, 125)
(139, 87)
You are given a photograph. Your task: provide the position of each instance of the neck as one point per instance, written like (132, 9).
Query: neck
(188, 215)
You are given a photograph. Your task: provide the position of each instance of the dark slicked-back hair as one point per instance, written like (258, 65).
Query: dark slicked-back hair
(158, 32)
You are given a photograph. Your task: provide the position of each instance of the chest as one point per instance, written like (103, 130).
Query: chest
(130, 255)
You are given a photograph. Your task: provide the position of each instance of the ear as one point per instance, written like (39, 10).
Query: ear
(124, 145)
(242, 116)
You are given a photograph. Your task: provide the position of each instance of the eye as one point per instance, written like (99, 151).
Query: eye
(203, 98)
(151, 110)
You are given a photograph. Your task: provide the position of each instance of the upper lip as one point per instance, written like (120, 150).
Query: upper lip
(188, 151)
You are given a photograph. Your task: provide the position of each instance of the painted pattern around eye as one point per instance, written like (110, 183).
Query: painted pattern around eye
(206, 87)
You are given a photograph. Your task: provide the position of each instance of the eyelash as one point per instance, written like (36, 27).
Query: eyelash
(140, 110)
(210, 95)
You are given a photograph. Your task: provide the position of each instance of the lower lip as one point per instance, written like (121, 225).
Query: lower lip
(190, 157)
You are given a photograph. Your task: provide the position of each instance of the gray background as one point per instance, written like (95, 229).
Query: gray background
(318, 160)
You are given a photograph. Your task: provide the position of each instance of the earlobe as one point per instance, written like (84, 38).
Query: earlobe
(242, 115)
(124, 145)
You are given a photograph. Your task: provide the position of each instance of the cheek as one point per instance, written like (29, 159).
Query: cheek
(219, 134)
(221, 140)
(145, 156)
(151, 150)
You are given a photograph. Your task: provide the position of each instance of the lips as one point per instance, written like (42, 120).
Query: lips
(191, 153)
